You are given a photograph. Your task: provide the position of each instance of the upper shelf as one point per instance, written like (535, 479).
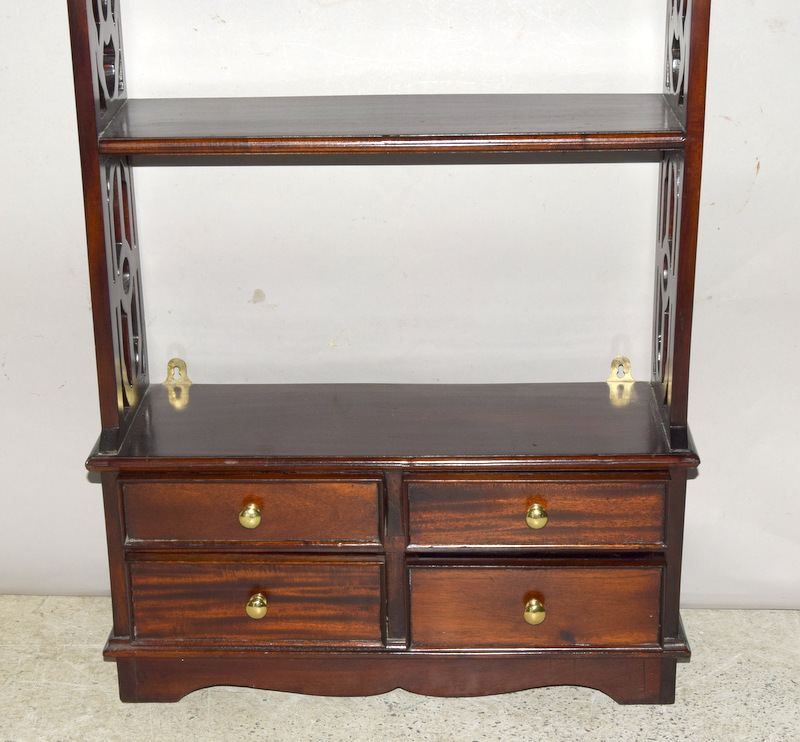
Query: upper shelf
(383, 124)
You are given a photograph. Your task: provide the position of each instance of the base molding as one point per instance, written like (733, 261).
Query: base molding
(626, 679)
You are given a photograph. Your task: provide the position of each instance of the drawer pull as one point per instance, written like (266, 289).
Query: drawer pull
(536, 517)
(250, 516)
(257, 606)
(534, 612)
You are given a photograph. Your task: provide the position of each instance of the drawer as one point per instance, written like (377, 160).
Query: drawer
(307, 602)
(580, 512)
(287, 511)
(484, 607)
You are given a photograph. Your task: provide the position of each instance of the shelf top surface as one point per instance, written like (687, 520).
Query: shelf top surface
(392, 123)
(221, 426)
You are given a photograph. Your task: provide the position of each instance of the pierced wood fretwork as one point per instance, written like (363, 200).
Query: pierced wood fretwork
(110, 217)
(110, 76)
(667, 249)
(125, 285)
(677, 55)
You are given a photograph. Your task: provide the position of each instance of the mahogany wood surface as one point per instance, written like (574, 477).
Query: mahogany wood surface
(676, 506)
(690, 212)
(115, 536)
(334, 602)
(94, 195)
(395, 539)
(228, 426)
(627, 679)
(393, 548)
(307, 512)
(490, 512)
(409, 123)
(482, 606)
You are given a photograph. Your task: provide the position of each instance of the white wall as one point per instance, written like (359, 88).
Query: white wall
(742, 539)
(390, 320)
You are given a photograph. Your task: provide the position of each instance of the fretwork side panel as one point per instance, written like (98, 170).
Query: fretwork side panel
(114, 264)
(108, 54)
(667, 252)
(125, 284)
(685, 67)
(676, 56)
(119, 215)
(108, 68)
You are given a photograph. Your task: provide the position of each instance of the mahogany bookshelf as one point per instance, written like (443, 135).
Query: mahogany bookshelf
(348, 539)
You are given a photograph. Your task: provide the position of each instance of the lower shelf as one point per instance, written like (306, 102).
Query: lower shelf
(228, 426)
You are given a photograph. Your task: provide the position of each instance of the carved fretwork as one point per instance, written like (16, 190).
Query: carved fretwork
(109, 68)
(676, 75)
(121, 340)
(125, 284)
(667, 250)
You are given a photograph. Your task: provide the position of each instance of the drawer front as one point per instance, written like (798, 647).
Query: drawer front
(307, 603)
(579, 513)
(304, 512)
(475, 607)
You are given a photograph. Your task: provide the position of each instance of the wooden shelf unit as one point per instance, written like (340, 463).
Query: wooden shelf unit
(353, 538)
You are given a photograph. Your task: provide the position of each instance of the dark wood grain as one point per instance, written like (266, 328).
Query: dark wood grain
(627, 679)
(690, 213)
(395, 539)
(83, 43)
(676, 504)
(490, 512)
(392, 123)
(384, 505)
(309, 602)
(117, 568)
(482, 606)
(544, 425)
(307, 512)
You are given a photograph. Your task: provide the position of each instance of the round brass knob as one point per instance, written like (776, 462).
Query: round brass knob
(250, 516)
(534, 612)
(257, 606)
(536, 517)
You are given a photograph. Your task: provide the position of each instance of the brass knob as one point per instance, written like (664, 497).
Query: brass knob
(257, 606)
(536, 517)
(250, 516)
(534, 612)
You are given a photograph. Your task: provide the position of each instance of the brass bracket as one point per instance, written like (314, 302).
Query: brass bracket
(620, 382)
(177, 383)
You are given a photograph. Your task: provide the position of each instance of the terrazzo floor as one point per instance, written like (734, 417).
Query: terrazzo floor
(743, 683)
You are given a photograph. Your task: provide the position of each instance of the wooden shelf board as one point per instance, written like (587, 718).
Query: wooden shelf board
(376, 124)
(380, 425)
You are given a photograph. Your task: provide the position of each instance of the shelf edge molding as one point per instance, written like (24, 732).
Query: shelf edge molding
(386, 124)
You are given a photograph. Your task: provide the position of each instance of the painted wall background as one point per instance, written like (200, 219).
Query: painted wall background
(405, 269)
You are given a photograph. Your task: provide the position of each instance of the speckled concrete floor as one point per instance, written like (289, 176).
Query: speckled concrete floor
(743, 684)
